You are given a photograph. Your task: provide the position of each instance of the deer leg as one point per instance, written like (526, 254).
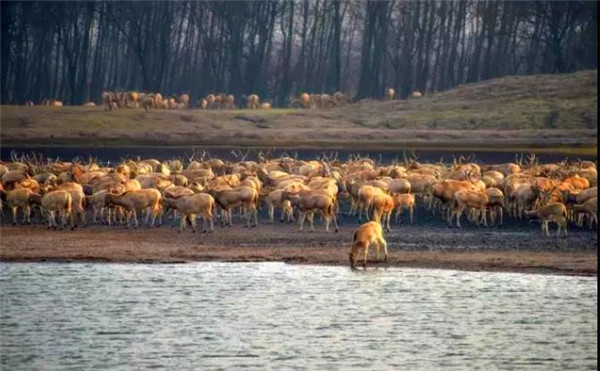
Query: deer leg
(458, 215)
(182, 223)
(82, 217)
(50, 217)
(73, 215)
(247, 214)
(271, 212)
(159, 214)
(301, 220)
(193, 219)
(484, 213)
(359, 208)
(289, 213)
(24, 211)
(388, 215)
(255, 212)
(365, 208)
(28, 213)
(383, 244)
(147, 218)
(62, 216)
(559, 224)
(448, 209)
(351, 207)
(211, 224)
(450, 219)
(335, 223)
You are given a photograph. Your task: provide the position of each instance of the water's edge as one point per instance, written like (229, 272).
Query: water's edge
(371, 266)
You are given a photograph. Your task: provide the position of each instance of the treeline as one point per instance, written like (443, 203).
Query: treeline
(74, 50)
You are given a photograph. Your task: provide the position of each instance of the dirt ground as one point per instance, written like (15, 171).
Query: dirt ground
(433, 245)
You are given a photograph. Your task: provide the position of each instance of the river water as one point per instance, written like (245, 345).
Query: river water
(278, 316)
(116, 154)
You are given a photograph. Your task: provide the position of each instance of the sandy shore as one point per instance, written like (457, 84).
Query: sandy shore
(410, 246)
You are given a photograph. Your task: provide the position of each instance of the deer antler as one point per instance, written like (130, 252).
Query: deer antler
(260, 156)
(191, 158)
(245, 155)
(470, 176)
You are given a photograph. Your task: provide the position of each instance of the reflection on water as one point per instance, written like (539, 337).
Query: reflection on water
(273, 315)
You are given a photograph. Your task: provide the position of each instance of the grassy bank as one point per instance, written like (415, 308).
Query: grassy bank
(545, 111)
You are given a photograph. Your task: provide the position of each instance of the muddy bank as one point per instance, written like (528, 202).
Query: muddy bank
(513, 249)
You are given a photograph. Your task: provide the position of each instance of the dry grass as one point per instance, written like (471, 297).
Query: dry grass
(546, 110)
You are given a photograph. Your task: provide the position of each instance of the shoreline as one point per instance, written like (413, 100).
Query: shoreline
(371, 265)
(578, 147)
(167, 246)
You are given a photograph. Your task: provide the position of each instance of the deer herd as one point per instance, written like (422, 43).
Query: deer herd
(134, 99)
(215, 101)
(217, 191)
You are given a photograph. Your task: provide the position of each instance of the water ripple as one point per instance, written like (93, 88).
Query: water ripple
(278, 316)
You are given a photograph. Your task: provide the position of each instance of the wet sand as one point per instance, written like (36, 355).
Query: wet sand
(511, 249)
